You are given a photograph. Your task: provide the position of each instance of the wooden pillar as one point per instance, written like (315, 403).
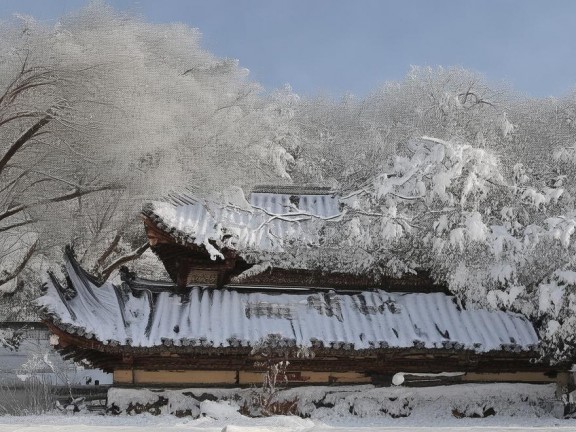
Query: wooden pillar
(184, 267)
(564, 384)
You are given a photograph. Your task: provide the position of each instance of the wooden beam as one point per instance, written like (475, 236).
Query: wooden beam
(377, 361)
(123, 376)
(527, 377)
(307, 377)
(184, 377)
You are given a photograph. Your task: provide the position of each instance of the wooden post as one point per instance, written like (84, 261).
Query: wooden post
(184, 267)
(563, 382)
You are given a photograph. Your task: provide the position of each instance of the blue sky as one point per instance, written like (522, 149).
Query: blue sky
(352, 46)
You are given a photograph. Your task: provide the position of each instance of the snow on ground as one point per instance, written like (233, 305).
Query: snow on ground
(349, 403)
(237, 423)
(223, 416)
(518, 407)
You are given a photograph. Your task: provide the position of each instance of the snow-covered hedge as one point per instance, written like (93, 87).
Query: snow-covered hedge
(466, 400)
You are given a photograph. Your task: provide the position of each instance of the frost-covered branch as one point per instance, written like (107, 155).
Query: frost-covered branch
(295, 216)
(109, 250)
(119, 262)
(17, 225)
(23, 139)
(77, 193)
(8, 276)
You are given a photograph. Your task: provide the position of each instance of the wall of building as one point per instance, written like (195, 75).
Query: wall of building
(139, 377)
(230, 377)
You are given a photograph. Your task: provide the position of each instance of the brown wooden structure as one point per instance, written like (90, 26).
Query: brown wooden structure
(343, 352)
(185, 366)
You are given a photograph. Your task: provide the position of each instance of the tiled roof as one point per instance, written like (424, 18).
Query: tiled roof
(147, 315)
(268, 220)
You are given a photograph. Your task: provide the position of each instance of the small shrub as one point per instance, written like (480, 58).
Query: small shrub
(474, 412)
(35, 391)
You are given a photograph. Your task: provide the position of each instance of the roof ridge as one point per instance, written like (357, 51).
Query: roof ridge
(293, 189)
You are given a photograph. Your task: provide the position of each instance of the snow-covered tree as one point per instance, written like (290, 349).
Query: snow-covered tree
(492, 234)
(103, 111)
(440, 171)
(486, 205)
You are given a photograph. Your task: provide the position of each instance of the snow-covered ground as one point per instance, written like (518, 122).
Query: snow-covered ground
(513, 407)
(237, 423)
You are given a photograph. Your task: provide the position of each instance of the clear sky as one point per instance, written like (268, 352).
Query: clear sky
(352, 46)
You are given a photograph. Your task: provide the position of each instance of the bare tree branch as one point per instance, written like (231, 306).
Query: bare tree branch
(109, 250)
(123, 260)
(23, 139)
(14, 273)
(66, 197)
(17, 224)
(18, 116)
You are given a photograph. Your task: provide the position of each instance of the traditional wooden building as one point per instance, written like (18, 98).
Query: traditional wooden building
(204, 327)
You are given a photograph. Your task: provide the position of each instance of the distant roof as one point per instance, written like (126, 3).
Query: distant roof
(230, 317)
(262, 223)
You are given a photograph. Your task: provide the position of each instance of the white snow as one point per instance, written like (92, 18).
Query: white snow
(264, 224)
(275, 425)
(225, 317)
(518, 407)
(398, 378)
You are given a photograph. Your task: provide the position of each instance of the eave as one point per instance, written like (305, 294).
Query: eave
(380, 360)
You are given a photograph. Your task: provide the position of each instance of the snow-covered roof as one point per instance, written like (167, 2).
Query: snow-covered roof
(148, 315)
(263, 223)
